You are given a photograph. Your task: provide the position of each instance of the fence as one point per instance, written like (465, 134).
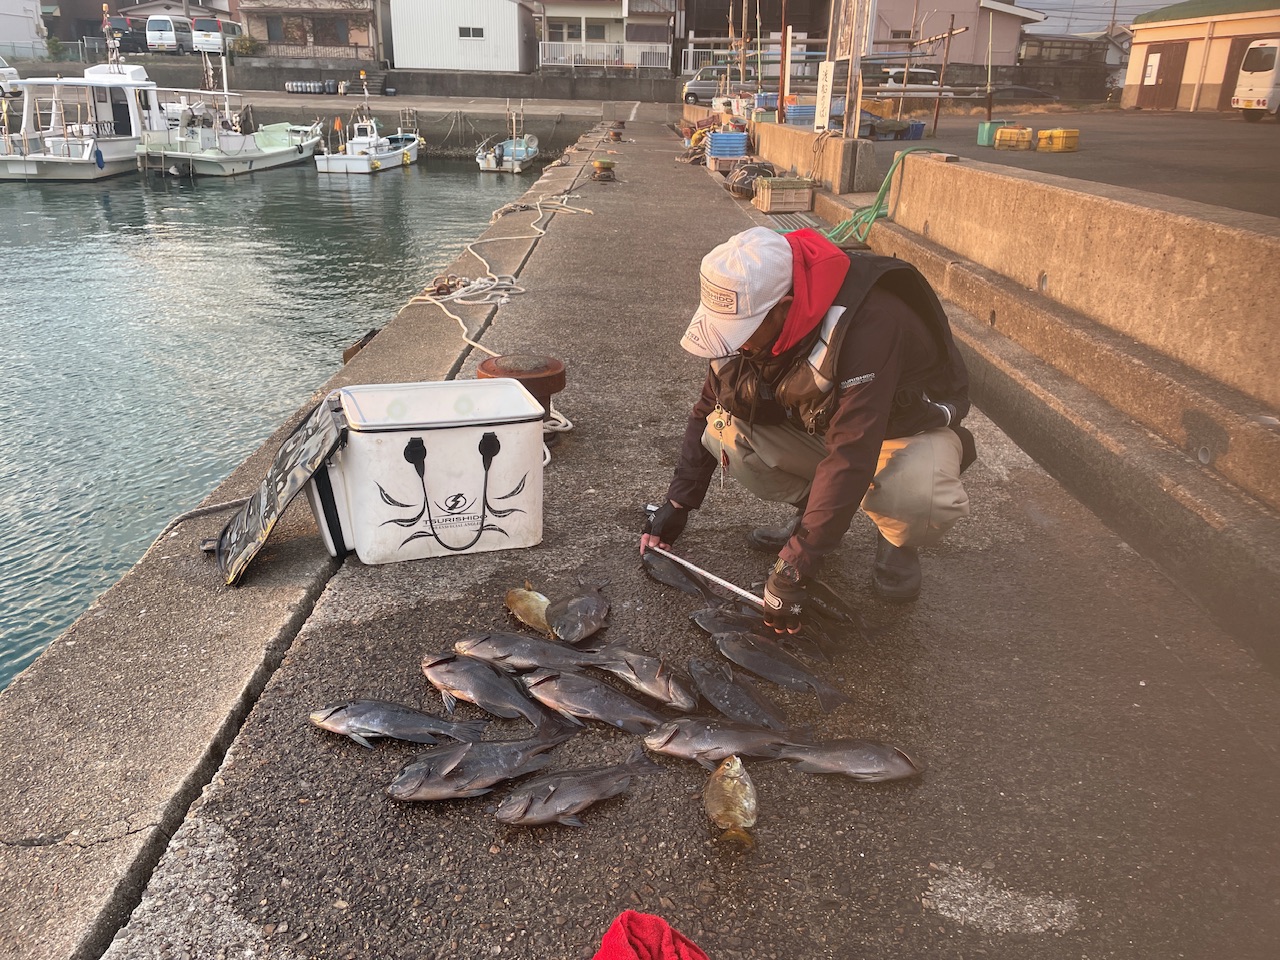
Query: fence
(655, 56)
(300, 51)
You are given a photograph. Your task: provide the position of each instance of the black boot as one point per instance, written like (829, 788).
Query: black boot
(896, 575)
(773, 539)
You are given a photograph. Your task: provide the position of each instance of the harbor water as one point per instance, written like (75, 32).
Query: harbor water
(154, 332)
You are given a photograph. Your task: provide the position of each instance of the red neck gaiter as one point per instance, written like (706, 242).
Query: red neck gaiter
(819, 268)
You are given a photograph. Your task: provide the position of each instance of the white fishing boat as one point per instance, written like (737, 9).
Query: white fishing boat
(363, 148)
(515, 154)
(79, 128)
(211, 134)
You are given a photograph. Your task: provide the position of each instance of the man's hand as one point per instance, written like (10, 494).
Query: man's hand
(664, 526)
(784, 598)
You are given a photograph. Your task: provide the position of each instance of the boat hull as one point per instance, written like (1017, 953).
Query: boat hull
(69, 160)
(229, 155)
(510, 156)
(369, 161)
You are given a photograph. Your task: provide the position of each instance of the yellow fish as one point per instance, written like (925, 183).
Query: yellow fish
(730, 801)
(529, 607)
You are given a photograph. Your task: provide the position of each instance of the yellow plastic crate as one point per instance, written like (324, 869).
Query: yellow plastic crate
(1014, 138)
(1058, 140)
(782, 194)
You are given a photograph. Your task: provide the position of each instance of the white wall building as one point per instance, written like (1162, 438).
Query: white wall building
(20, 21)
(486, 36)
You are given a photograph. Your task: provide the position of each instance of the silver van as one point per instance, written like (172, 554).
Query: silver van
(213, 35)
(169, 34)
(706, 83)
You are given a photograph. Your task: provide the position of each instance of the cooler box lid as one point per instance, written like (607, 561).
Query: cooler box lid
(438, 405)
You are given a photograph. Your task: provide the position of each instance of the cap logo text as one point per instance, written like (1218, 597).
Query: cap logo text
(718, 299)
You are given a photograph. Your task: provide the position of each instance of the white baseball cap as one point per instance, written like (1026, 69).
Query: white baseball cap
(742, 280)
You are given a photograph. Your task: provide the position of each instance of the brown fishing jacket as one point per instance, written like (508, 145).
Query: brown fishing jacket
(892, 361)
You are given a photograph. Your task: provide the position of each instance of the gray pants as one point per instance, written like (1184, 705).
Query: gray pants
(915, 497)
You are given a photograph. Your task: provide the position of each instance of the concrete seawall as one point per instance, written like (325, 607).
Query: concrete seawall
(1105, 313)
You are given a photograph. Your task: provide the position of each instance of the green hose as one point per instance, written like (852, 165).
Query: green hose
(858, 226)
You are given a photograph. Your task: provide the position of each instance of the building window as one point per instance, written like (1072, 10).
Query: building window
(275, 29)
(564, 31)
(471, 33)
(331, 31)
(595, 31)
(899, 34)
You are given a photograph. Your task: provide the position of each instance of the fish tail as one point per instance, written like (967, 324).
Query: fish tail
(739, 836)
(829, 697)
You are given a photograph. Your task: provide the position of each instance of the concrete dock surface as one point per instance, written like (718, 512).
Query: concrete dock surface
(1100, 759)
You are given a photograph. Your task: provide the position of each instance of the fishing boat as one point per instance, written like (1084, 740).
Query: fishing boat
(211, 140)
(363, 148)
(514, 154)
(211, 134)
(79, 128)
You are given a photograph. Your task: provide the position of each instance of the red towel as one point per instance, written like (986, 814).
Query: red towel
(643, 936)
(819, 267)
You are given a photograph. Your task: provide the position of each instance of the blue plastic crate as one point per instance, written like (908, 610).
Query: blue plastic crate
(915, 131)
(726, 144)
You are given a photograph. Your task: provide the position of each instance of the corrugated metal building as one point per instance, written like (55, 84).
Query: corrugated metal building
(1187, 56)
(487, 36)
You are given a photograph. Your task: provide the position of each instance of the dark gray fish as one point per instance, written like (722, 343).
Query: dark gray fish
(576, 618)
(365, 720)
(867, 760)
(470, 769)
(466, 678)
(812, 641)
(518, 652)
(766, 659)
(671, 574)
(710, 741)
(560, 797)
(575, 695)
(830, 606)
(651, 677)
(736, 697)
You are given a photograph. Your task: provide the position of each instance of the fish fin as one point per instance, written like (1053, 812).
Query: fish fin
(570, 820)
(468, 730)
(829, 697)
(450, 701)
(806, 766)
(361, 740)
(738, 835)
(444, 769)
(706, 764)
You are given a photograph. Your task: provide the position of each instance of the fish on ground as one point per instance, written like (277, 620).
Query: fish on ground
(669, 573)
(560, 797)
(652, 677)
(766, 659)
(475, 681)
(578, 697)
(869, 761)
(365, 720)
(729, 799)
(515, 652)
(812, 641)
(471, 769)
(529, 607)
(736, 696)
(707, 742)
(575, 618)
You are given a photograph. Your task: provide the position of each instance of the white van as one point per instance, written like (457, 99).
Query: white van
(169, 34)
(213, 35)
(1258, 89)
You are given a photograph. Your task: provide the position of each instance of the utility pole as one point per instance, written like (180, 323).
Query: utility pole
(942, 74)
(784, 69)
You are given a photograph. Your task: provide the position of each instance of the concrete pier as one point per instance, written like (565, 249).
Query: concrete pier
(1100, 757)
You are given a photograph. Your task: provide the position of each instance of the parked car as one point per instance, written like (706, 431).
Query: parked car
(131, 32)
(214, 36)
(706, 83)
(169, 34)
(1012, 95)
(7, 76)
(1257, 90)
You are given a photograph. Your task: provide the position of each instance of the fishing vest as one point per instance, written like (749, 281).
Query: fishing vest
(799, 386)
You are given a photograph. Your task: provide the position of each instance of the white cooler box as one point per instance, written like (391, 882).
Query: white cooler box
(432, 469)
